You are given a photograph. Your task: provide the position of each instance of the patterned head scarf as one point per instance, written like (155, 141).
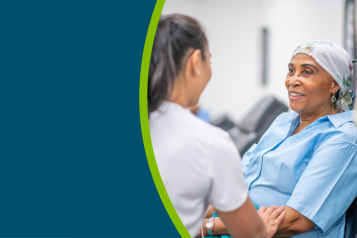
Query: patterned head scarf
(337, 62)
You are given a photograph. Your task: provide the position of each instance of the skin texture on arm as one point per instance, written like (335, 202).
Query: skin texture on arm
(294, 223)
(244, 222)
(271, 216)
(218, 229)
(209, 212)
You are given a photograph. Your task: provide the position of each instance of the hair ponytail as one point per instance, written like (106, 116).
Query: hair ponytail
(175, 35)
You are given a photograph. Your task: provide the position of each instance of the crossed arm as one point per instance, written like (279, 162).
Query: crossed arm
(294, 222)
(246, 221)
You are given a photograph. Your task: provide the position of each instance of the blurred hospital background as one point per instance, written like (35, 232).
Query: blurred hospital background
(252, 41)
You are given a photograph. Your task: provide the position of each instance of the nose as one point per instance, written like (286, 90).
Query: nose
(294, 81)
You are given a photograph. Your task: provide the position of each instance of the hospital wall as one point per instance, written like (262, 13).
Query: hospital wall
(233, 29)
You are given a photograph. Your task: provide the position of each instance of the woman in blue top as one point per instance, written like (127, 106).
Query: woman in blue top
(307, 160)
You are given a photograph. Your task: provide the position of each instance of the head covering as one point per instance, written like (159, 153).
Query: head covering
(337, 62)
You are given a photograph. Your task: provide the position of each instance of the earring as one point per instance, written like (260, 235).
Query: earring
(333, 99)
(198, 72)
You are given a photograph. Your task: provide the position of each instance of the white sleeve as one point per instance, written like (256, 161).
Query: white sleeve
(228, 191)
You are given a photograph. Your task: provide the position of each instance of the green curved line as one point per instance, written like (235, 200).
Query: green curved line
(144, 120)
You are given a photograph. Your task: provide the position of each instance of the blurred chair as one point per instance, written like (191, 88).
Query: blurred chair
(257, 122)
(351, 221)
(254, 124)
(224, 122)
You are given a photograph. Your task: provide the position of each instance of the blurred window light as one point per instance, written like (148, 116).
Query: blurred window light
(264, 55)
(350, 28)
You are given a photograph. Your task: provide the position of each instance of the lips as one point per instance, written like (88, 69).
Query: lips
(295, 95)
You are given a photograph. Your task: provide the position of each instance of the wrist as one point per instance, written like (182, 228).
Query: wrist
(210, 226)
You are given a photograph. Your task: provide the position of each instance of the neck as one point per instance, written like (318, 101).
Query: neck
(307, 119)
(179, 94)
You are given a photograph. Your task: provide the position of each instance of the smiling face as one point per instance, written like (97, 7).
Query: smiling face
(309, 86)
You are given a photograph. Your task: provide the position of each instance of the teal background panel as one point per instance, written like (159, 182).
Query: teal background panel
(72, 162)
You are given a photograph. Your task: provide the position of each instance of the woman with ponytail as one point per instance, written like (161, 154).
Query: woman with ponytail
(198, 163)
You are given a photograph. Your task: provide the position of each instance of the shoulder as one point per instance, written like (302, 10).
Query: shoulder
(195, 127)
(342, 128)
(340, 138)
(347, 132)
(180, 125)
(218, 140)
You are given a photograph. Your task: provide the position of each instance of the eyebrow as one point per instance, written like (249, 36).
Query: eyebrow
(310, 65)
(291, 64)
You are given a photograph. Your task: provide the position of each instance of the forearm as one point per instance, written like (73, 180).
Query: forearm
(218, 229)
(294, 223)
(286, 230)
(210, 211)
(244, 221)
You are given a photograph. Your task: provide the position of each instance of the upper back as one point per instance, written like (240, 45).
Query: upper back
(198, 163)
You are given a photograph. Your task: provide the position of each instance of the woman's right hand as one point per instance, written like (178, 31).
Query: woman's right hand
(272, 218)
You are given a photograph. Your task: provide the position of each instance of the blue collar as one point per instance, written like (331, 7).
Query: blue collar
(341, 118)
(337, 119)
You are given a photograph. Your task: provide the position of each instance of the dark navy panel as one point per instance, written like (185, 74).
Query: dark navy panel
(72, 158)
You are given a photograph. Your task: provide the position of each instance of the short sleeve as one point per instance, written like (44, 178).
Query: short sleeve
(228, 191)
(328, 185)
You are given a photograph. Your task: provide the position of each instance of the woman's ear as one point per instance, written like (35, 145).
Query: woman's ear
(193, 67)
(335, 87)
(196, 62)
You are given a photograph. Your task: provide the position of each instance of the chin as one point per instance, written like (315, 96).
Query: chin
(295, 108)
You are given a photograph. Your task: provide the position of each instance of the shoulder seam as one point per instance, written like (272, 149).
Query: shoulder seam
(342, 141)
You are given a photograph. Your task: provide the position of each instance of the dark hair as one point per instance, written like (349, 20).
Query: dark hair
(175, 35)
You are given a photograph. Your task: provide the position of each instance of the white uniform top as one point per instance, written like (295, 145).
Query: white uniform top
(199, 164)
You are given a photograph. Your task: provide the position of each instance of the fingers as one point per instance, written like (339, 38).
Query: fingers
(280, 218)
(271, 209)
(277, 212)
(262, 210)
(274, 206)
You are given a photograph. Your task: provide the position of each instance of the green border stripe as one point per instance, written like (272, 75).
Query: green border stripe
(144, 75)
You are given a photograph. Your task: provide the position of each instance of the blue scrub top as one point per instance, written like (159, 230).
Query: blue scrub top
(314, 171)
